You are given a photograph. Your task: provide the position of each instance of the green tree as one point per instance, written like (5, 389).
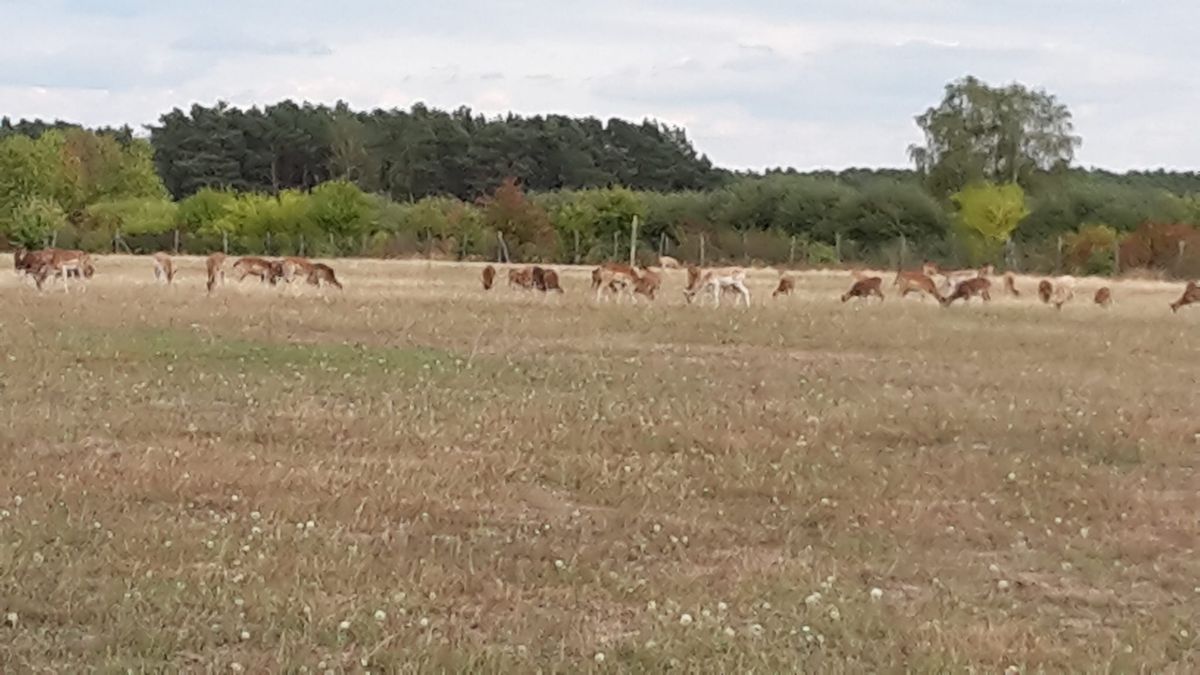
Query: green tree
(885, 210)
(32, 168)
(203, 212)
(133, 215)
(986, 217)
(341, 209)
(33, 222)
(996, 134)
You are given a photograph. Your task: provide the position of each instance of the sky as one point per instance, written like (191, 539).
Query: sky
(757, 83)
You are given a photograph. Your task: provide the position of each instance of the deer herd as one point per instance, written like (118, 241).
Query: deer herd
(615, 281)
(618, 280)
(64, 264)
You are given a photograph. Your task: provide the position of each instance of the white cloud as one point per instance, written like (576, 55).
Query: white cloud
(761, 83)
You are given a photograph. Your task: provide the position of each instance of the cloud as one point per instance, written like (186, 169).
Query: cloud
(823, 83)
(230, 44)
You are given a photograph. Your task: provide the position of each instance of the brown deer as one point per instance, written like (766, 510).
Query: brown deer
(294, 267)
(1191, 295)
(1103, 297)
(266, 271)
(550, 281)
(520, 278)
(61, 263)
(615, 278)
(648, 284)
(970, 288)
(786, 285)
(1045, 290)
(1058, 293)
(215, 267)
(164, 268)
(320, 273)
(916, 282)
(1010, 285)
(489, 277)
(28, 262)
(865, 288)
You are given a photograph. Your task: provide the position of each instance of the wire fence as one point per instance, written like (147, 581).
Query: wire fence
(705, 248)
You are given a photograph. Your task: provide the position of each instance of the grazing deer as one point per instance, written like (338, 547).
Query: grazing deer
(965, 290)
(266, 271)
(320, 273)
(1045, 290)
(1058, 293)
(164, 268)
(647, 284)
(1010, 285)
(1191, 295)
(28, 262)
(616, 278)
(717, 280)
(520, 278)
(550, 281)
(865, 288)
(786, 285)
(215, 267)
(1103, 297)
(294, 267)
(916, 282)
(544, 279)
(65, 264)
(489, 277)
(667, 262)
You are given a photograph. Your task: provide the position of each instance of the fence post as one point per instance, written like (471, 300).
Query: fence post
(633, 229)
(662, 244)
(837, 246)
(1116, 257)
(616, 254)
(268, 251)
(54, 239)
(702, 249)
(745, 250)
(903, 251)
(1058, 257)
(575, 259)
(1179, 258)
(792, 252)
(225, 243)
(177, 241)
(301, 245)
(503, 249)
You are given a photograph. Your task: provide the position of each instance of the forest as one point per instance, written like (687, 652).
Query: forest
(994, 181)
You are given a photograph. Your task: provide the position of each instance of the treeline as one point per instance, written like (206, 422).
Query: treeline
(323, 181)
(421, 152)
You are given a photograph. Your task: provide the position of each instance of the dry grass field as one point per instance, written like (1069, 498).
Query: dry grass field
(413, 475)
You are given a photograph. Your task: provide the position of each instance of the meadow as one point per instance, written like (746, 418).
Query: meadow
(414, 475)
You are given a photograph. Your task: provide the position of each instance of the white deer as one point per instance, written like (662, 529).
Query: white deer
(718, 280)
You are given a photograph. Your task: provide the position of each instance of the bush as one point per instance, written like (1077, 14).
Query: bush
(34, 221)
(1090, 249)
